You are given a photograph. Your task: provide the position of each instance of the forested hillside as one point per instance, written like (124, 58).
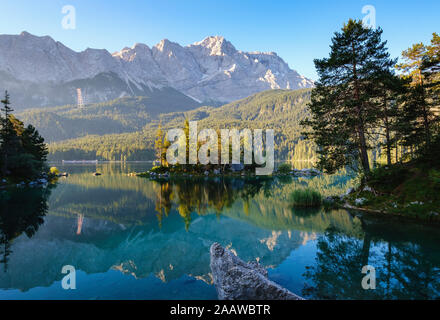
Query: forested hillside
(133, 125)
(116, 116)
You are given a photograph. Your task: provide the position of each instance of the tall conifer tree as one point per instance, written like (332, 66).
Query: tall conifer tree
(342, 112)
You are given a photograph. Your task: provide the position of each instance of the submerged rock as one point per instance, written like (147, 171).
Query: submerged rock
(236, 280)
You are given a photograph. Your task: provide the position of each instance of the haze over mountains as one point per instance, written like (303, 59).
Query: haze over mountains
(39, 71)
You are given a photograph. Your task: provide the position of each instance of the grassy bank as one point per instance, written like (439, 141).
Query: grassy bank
(410, 189)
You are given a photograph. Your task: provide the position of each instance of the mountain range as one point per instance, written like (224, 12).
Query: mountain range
(39, 71)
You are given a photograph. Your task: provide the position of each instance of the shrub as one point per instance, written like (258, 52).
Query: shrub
(159, 169)
(306, 198)
(434, 176)
(54, 171)
(284, 168)
(387, 178)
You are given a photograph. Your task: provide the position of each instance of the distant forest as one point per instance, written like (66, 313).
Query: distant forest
(125, 129)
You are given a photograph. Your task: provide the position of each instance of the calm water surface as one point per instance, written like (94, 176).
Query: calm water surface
(131, 238)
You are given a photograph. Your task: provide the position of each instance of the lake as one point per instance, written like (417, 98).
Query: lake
(132, 238)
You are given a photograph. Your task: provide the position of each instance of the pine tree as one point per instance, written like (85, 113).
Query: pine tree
(23, 151)
(166, 145)
(8, 136)
(388, 89)
(421, 68)
(34, 144)
(431, 71)
(342, 105)
(158, 144)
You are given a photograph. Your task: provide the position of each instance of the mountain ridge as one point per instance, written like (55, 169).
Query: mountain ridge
(208, 70)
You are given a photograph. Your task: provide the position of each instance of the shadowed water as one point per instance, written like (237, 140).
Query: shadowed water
(131, 238)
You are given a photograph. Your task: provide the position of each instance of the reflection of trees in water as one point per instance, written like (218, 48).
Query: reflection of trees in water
(413, 271)
(204, 195)
(132, 200)
(22, 211)
(406, 268)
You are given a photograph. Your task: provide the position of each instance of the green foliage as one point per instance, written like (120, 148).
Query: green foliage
(284, 168)
(22, 150)
(434, 176)
(159, 169)
(411, 189)
(280, 110)
(343, 106)
(123, 115)
(306, 198)
(387, 178)
(54, 171)
(420, 110)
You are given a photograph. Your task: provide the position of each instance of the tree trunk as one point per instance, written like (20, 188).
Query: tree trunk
(426, 125)
(425, 113)
(363, 150)
(360, 127)
(387, 133)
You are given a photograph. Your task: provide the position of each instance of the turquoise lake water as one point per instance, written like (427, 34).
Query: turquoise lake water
(131, 238)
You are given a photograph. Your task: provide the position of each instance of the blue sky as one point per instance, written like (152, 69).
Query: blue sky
(298, 31)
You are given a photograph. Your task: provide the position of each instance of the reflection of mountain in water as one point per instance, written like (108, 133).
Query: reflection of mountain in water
(169, 253)
(131, 200)
(141, 227)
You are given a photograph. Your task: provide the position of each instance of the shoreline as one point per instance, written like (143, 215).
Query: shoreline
(390, 215)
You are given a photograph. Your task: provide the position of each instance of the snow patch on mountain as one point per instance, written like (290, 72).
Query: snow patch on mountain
(208, 70)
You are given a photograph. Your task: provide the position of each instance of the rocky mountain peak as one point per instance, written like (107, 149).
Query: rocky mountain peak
(136, 51)
(166, 45)
(25, 34)
(208, 70)
(217, 45)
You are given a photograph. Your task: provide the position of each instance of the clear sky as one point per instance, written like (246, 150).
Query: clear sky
(298, 31)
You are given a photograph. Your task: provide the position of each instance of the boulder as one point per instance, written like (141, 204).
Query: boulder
(236, 280)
